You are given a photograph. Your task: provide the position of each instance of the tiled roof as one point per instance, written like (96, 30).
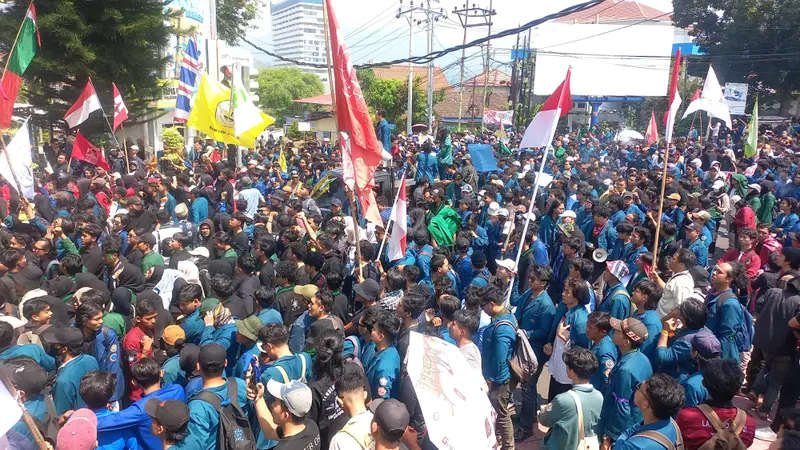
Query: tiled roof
(400, 72)
(473, 103)
(496, 78)
(324, 100)
(611, 11)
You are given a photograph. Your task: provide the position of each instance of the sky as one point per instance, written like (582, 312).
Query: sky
(373, 34)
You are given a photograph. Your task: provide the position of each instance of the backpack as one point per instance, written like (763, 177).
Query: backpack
(726, 436)
(354, 356)
(743, 336)
(234, 431)
(49, 426)
(302, 373)
(522, 363)
(663, 440)
(32, 336)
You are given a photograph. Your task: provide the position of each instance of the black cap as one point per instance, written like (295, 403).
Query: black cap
(694, 226)
(478, 258)
(392, 418)
(188, 358)
(369, 289)
(212, 355)
(27, 377)
(148, 239)
(172, 414)
(700, 276)
(69, 336)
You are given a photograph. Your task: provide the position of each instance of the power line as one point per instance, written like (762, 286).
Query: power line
(371, 21)
(606, 32)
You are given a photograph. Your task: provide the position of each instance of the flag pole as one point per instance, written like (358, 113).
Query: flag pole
(125, 147)
(389, 223)
(14, 45)
(527, 221)
(661, 203)
(27, 418)
(331, 84)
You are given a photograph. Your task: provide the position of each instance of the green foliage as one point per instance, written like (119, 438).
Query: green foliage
(392, 97)
(235, 18)
(105, 40)
(173, 139)
(277, 87)
(740, 36)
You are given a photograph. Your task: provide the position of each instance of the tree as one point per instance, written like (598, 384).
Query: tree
(234, 18)
(640, 112)
(277, 87)
(746, 41)
(392, 96)
(105, 40)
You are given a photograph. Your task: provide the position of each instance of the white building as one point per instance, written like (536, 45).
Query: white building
(298, 32)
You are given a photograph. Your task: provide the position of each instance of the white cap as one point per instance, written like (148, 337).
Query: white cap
(505, 263)
(516, 164)
(718, 184)
(571, 158)
(482, 192)
(252, 162)
(503, 212)
(466, 188)
(697, 163)
(607, 181)
(134, 147)
(494, 209)
(755, 187)
(532, 216)
(295, 394)
(568, 213)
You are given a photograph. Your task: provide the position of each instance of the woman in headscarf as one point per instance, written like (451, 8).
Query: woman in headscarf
(220, 329)
(766, 211)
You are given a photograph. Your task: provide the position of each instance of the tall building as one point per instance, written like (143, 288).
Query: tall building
(299, 33)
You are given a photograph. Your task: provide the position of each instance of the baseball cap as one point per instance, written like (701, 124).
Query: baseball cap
(503, 212)
(392, 418)
(336, 202)
(568, 213)
(100, 182)
(369, 289)
(478, 258)
(148, 239)
(79, 433)
(172, 333)
(700, 276)
(212, 355)
(694, 226)
(278, 195)
(703, 215)
(505, 263)
(307, 290)
(252, 162)
(249, 327)
(719, 184)
(695, 195)
(494, 209)
(633, 328)
(69, 336)
(618, 269)
(172, 414)
(754, 187)
(674, 196)
(482, 192)
(27, 377)
(294, 394)
(706, 344)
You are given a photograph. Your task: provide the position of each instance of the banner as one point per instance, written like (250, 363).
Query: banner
(736, 97)
(19, 149)
(482, 157)
(492, 117)
(457, 411)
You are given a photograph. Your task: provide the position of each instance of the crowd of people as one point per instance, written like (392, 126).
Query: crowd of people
(229, 304)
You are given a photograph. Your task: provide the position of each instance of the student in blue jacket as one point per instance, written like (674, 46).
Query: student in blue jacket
(725, 315)
(96, 389)
(220, 328)
(620, 412)
(67, 344)
(616, 300)
(658, 398)
(204, 419)
(33, 351)
(383, 372)
(674, 349)
(189, 299)
(104, 343)
(146, 373)
(645, 297)
(598, 326)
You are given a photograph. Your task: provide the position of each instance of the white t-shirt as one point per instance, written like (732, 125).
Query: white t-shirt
(356, 431)
(473, 356)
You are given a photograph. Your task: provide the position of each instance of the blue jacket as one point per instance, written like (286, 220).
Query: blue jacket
(676, 358)
(243, 362)
(616, 302)
(269, 316)
(633, 209)
(548, 231)
(134, 419)
(628, 440)
(424, 262)
(107, 353)
(498, 343)
(619, 249)
(463, 267)
(66, 388)
(723, 321)
(576, 319)
(226, 337)
(632, 254)
(114, 440)
(193, 327)
(204, 420)
(696, 393)
(534, 315)
(619, 411)
(37, 407)
(785, 222)
(383, 374)
(172, 373)
(607, 354)
(677, 216)
(540, 255)
(650, 320)
(700, 252)
(617, 217)
(32, 351)
(198, 210)
(427, 167)
(293, 366)
(607, 238)
(384, 134)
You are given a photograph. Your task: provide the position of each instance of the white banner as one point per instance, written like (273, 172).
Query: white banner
(736, 97)
(493, 117)
(457, 411)
(19, 150)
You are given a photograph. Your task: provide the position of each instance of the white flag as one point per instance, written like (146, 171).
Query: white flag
(11, 410)
(712, 100)
(19, 150)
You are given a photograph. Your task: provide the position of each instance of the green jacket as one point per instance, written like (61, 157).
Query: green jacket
(151, 259)
(766, 213)
(561, 416)
(444, 226)
(445, 154)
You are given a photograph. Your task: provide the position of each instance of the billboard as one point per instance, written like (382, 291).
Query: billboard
(736, 97)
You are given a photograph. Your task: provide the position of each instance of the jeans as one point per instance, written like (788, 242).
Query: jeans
(788, 395)
(500, 396)
(771, 377)
(530, 402)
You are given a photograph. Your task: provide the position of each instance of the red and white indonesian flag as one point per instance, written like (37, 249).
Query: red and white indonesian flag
(543, 126)
(397, 241)
(120, 110)
(87, 103)
(674, 98)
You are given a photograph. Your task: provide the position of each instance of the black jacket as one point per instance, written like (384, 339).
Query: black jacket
(772, 332)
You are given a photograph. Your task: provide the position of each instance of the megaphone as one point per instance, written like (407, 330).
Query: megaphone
(600, 255)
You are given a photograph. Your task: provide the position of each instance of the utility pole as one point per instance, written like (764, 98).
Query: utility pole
(429, 17)
(481, 17)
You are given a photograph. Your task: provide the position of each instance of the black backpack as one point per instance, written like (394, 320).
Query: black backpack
(234, 431)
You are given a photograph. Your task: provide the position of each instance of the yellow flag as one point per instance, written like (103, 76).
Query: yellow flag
(282, 160)
(212, 114)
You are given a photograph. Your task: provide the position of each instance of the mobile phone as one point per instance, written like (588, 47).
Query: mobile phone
(255, 372)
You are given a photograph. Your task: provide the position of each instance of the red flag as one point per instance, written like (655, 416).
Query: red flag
(543, 126)
(652, 130)
(84, 150)
(361, 152)
(120, 110)
(674, 99)
(696, 95)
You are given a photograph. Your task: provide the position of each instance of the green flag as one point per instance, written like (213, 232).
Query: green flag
(752, 133)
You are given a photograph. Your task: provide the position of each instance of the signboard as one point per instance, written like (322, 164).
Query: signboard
(457, 411)
(482, 157)
(736, 97)
(169, 95)
(195, 10)
(498, 118)
(303, 126)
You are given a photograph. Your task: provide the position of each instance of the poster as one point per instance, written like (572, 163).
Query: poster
(457, 411)
(736, 97)
(492, 117)
(482, 157)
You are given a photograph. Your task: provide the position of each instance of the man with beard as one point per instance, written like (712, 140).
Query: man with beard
(140, 217)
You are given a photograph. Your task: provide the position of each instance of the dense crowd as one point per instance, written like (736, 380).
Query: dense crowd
(229, 304)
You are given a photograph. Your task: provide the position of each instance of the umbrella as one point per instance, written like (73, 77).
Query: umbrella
(629, 135)
(419, 127)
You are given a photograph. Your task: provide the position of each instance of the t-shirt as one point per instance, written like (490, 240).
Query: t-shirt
(325, 409)
(308, 439)
(473, 356)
